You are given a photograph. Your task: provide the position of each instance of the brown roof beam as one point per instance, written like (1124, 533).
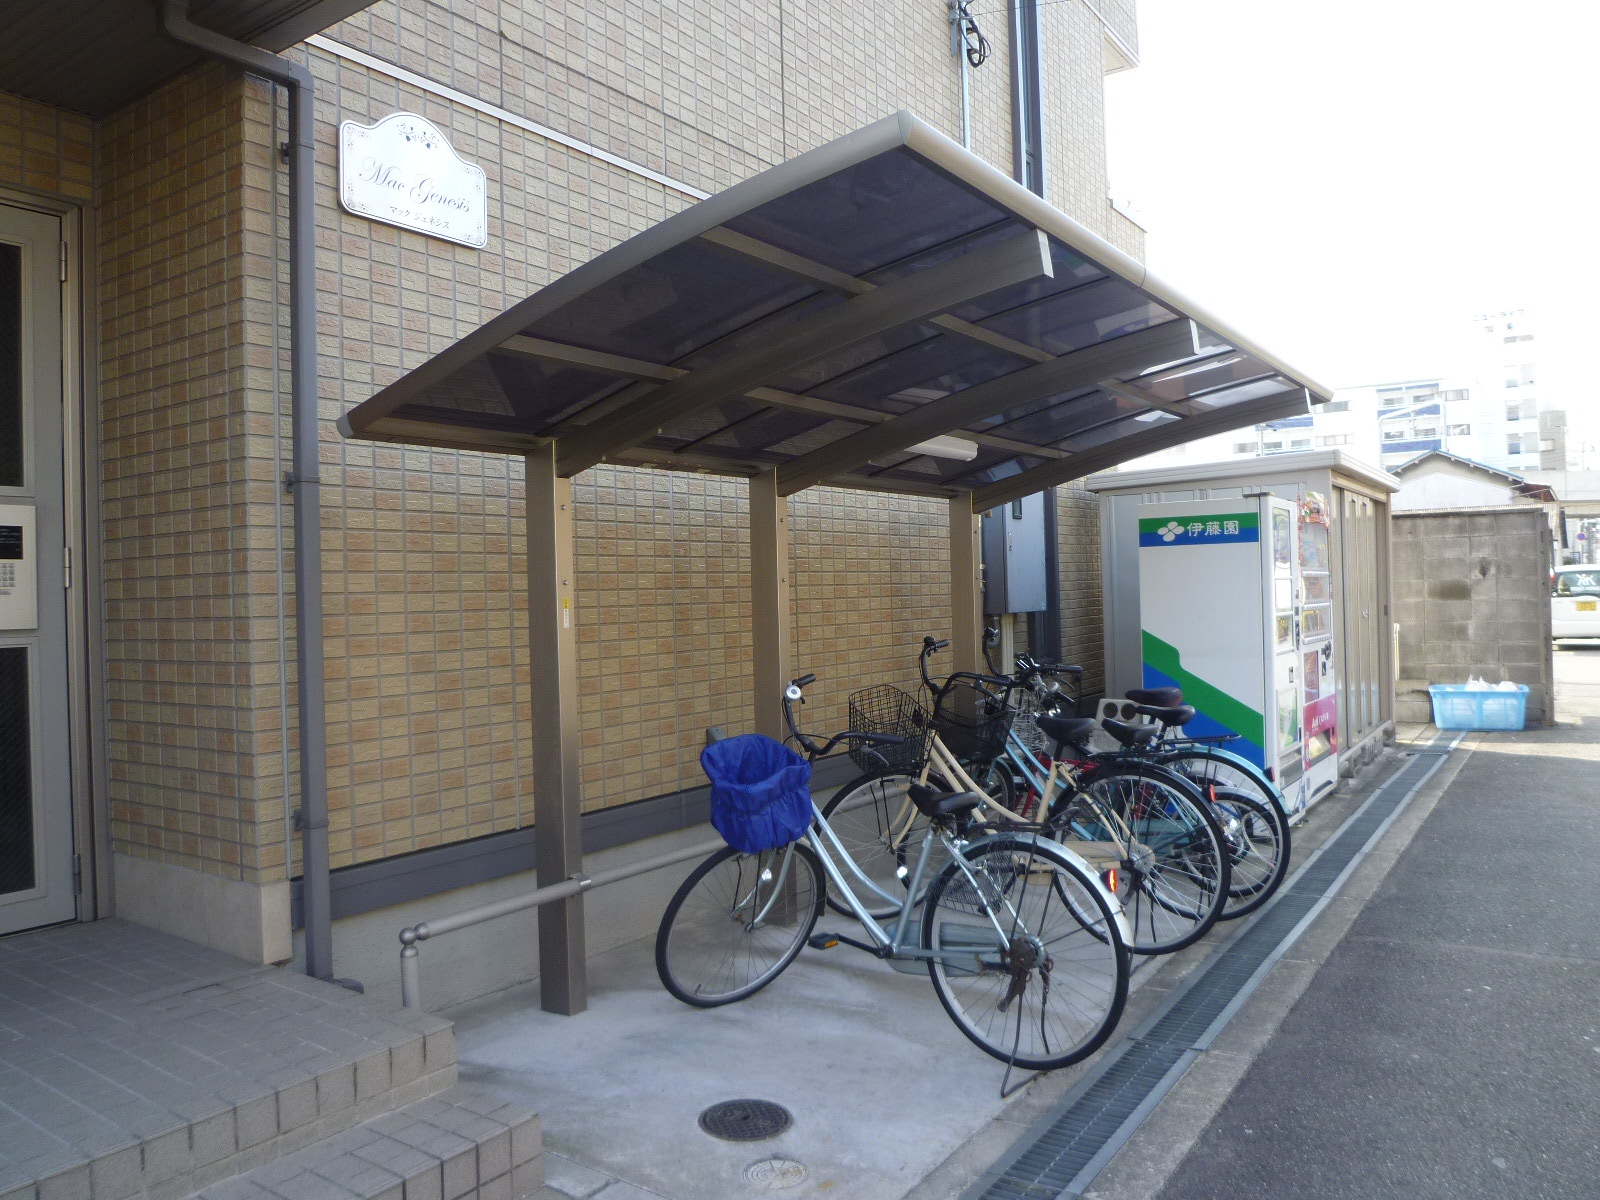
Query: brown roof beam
(544, 350)
(1158, 344)
(911, 298)
(809, 271)
(1289, 402)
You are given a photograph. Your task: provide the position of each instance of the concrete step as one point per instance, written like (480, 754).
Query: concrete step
(462, 1144)
(136, 1066)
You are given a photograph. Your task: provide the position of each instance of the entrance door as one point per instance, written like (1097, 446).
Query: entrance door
(36, 857)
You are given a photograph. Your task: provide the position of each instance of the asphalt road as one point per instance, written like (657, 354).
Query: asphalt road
(1449, 1044)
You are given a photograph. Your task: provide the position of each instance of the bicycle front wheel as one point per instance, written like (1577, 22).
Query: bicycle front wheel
(1174, 872)
(1029, 961)
(878, 825)
(737, 922)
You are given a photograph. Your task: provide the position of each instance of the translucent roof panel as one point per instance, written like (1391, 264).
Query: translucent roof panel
(1071, 271)
(1055, 422)
(926, 370)
(827, 319)
(871, 214)
(680, 301)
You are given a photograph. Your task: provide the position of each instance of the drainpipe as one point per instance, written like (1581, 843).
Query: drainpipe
(303, 480)
(1027, 134)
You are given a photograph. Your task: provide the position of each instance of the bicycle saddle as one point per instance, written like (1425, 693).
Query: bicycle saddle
(1129, 735)
(1163, 697)
(1066, 731)
(942, 804)
(1181, 715)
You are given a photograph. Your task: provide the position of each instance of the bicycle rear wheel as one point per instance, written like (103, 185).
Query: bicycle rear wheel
(1258, 849)
(737, 922)
(1045, 988)
(1174, 876)
(1252, 820)
(1201, 766)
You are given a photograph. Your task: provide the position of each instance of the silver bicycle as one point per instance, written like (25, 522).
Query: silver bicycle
(1025, 946)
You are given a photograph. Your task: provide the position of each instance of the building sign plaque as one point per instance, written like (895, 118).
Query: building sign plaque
(403, 171)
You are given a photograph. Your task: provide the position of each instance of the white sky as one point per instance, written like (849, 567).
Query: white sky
(1348, 184)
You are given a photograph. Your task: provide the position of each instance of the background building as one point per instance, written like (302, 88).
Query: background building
(1489, 410)
(162, 755)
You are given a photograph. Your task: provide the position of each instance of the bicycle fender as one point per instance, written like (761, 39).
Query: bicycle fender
(1250, 768)
(1082, 864)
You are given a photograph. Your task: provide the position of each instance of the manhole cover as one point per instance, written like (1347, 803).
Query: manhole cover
(745, 1120)
(775, 1174)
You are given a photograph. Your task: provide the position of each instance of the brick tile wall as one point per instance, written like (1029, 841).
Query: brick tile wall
(428, 670)
(192, 718)
(46, 149)
(696, 92)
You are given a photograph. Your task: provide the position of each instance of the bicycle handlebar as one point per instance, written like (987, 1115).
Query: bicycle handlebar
(932, 645)
(1003, 681)
(794, 692)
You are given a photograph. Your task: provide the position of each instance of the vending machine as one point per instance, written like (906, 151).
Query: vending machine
(1235, 608)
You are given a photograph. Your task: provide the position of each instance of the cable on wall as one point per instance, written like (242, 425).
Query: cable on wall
(972, 42)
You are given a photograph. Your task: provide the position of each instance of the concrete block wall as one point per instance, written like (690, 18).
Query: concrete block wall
(1472, 598)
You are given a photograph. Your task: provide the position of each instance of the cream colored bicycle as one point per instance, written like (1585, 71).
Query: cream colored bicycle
(1146, 831)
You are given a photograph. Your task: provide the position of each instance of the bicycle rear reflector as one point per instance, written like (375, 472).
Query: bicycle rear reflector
(1109, 878)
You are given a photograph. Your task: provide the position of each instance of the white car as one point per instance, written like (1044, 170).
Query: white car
(1575, 603)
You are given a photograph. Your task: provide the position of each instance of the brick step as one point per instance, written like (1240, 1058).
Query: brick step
(147, 1071)
(462, 1144)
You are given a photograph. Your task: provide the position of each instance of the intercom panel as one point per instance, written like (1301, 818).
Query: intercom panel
(19, 568)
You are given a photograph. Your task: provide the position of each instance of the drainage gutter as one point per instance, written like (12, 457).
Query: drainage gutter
(304, 480)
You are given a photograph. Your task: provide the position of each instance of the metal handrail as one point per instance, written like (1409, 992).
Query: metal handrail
(410, 968)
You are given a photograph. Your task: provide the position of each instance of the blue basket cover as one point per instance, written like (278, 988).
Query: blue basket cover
(760, 792)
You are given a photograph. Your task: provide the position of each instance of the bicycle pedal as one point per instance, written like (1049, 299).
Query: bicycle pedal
(823, 941)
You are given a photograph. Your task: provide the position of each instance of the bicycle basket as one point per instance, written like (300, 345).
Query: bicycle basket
(1025, 726)
(886, 709)
(760, 792)
(971, 722)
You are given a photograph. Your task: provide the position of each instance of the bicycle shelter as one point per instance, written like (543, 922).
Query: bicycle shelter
(886, 312)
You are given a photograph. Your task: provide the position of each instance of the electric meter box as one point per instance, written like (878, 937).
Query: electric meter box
(1014, 557)
(1260, 588)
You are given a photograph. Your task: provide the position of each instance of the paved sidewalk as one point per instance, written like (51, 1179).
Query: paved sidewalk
(1438, 1035)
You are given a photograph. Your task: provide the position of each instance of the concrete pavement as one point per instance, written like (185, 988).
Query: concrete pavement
(1429, 1034)
(1436, 1034)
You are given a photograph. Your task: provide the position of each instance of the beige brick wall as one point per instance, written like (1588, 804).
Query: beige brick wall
(45, 149)
(186, 486)
(427, 661)
(1078, 527)
(708, 97)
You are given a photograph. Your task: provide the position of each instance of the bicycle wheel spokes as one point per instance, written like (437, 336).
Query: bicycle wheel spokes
(737, 922)
(1175, 876)
(1257, 847)
(878, 825)
(1253, 823)
(1043, 983)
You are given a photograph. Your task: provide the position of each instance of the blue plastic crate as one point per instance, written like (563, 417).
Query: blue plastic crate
(1457, 706)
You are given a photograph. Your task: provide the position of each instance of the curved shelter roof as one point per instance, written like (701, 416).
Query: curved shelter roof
(828, 319)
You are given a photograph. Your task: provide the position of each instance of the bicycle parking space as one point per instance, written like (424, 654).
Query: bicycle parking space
(887, 1099)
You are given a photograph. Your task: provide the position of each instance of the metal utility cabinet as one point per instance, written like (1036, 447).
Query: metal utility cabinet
(1261, 588)
(1014, 557)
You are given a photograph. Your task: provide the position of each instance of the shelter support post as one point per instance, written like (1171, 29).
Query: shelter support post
(769, 602)
(557, 796)
(966, 586)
